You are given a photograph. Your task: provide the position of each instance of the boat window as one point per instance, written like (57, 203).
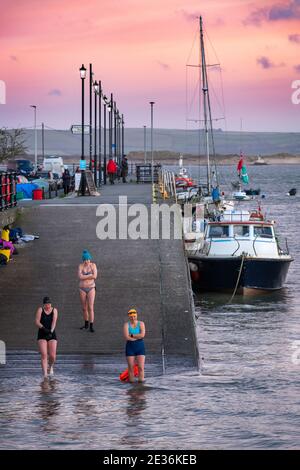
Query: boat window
(263, 232)
(219, 231)
(241, 230)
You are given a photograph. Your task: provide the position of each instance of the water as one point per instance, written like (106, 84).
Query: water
(246, 396)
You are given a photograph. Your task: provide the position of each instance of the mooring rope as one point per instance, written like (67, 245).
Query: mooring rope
(238, 279)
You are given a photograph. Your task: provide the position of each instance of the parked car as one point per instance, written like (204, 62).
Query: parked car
(51, 178)
(22, 166)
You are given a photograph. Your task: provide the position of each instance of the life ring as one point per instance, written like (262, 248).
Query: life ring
(256, 215)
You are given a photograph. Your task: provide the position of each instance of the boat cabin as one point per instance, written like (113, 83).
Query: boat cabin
(230, 237)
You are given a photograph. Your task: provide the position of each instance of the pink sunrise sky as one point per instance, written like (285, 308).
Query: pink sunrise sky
(139, 49)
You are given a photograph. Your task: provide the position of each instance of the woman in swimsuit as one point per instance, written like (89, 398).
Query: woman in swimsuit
(134, 333)
(45, 319)
(87, 274)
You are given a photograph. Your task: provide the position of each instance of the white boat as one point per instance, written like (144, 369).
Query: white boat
(240, 196)
(260, 161)
(240, 254)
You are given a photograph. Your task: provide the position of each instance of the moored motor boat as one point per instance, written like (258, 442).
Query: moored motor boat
(240, 253)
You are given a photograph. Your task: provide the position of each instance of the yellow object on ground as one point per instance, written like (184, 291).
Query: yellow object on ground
(5, 235)
(5, 252)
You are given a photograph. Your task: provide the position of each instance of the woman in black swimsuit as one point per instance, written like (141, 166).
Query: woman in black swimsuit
(87, 274)
(45, 319)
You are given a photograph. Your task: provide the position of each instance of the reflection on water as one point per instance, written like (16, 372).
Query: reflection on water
(247, 395)
(137, 403)
(48, 403)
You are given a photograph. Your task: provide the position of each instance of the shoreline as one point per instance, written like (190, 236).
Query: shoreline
(172, 158)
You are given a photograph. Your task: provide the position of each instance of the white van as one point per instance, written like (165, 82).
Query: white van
(54, 164)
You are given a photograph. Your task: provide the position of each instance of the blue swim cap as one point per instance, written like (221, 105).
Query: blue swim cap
(86, 255)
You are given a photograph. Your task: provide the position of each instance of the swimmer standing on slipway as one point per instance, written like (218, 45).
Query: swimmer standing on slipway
(134, 332)
(87, 274)
(45, 319)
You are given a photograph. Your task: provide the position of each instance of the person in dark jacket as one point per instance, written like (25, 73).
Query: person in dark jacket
(124, 169)
(66, 177)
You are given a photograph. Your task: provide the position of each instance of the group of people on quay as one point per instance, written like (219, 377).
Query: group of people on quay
(47, 316)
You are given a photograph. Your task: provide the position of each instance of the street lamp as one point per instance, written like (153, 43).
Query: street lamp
(104, 139)
(100, 140)
(122, 134)
(35, 137)
(152, 178)
(96, 91)
(115, 131)
(91, 113)
(82, 71)
(110, 124)
(145, 155)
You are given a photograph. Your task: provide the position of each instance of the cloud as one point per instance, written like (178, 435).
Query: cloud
(14, 58)
(297, 68)
(277, 12)
(189, 16)
(265, 62)
(55, 92)
(294, 38)
(163, 66)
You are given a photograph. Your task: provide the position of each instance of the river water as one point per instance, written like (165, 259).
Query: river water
(247, 394)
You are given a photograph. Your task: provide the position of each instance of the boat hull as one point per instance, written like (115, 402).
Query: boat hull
(255, 274)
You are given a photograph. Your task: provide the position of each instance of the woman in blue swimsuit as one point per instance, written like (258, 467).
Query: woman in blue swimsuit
(87, 274)
(134, 333)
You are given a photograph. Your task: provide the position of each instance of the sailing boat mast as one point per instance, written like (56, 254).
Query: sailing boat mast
(208, 126)
(205, 103)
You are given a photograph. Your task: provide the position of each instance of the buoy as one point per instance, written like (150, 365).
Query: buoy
(124, 376)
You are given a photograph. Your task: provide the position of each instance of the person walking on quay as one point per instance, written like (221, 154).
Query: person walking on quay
(134, 333)
(111, 170)
(124, 169)
(45, 320)
(87, 274)
(66, 177)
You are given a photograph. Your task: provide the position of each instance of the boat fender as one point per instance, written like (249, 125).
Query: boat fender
(124, 376)
(193, 267)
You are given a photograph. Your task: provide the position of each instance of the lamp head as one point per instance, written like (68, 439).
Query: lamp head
(82, 71)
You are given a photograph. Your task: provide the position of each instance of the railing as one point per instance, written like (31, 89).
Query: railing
(8, 194)
(167, 184)
(280, 249)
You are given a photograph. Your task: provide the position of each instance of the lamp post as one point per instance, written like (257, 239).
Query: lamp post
(119, 139)
(96, 91)
(35, 137)
(152, 178)
(104, 140)
(122, 124)
(145, 155)
(91, 117)
(100, 140)
(110, 123)
(82, 179)
(115, 131)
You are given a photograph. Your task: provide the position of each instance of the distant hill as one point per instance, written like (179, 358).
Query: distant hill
(64, 143)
